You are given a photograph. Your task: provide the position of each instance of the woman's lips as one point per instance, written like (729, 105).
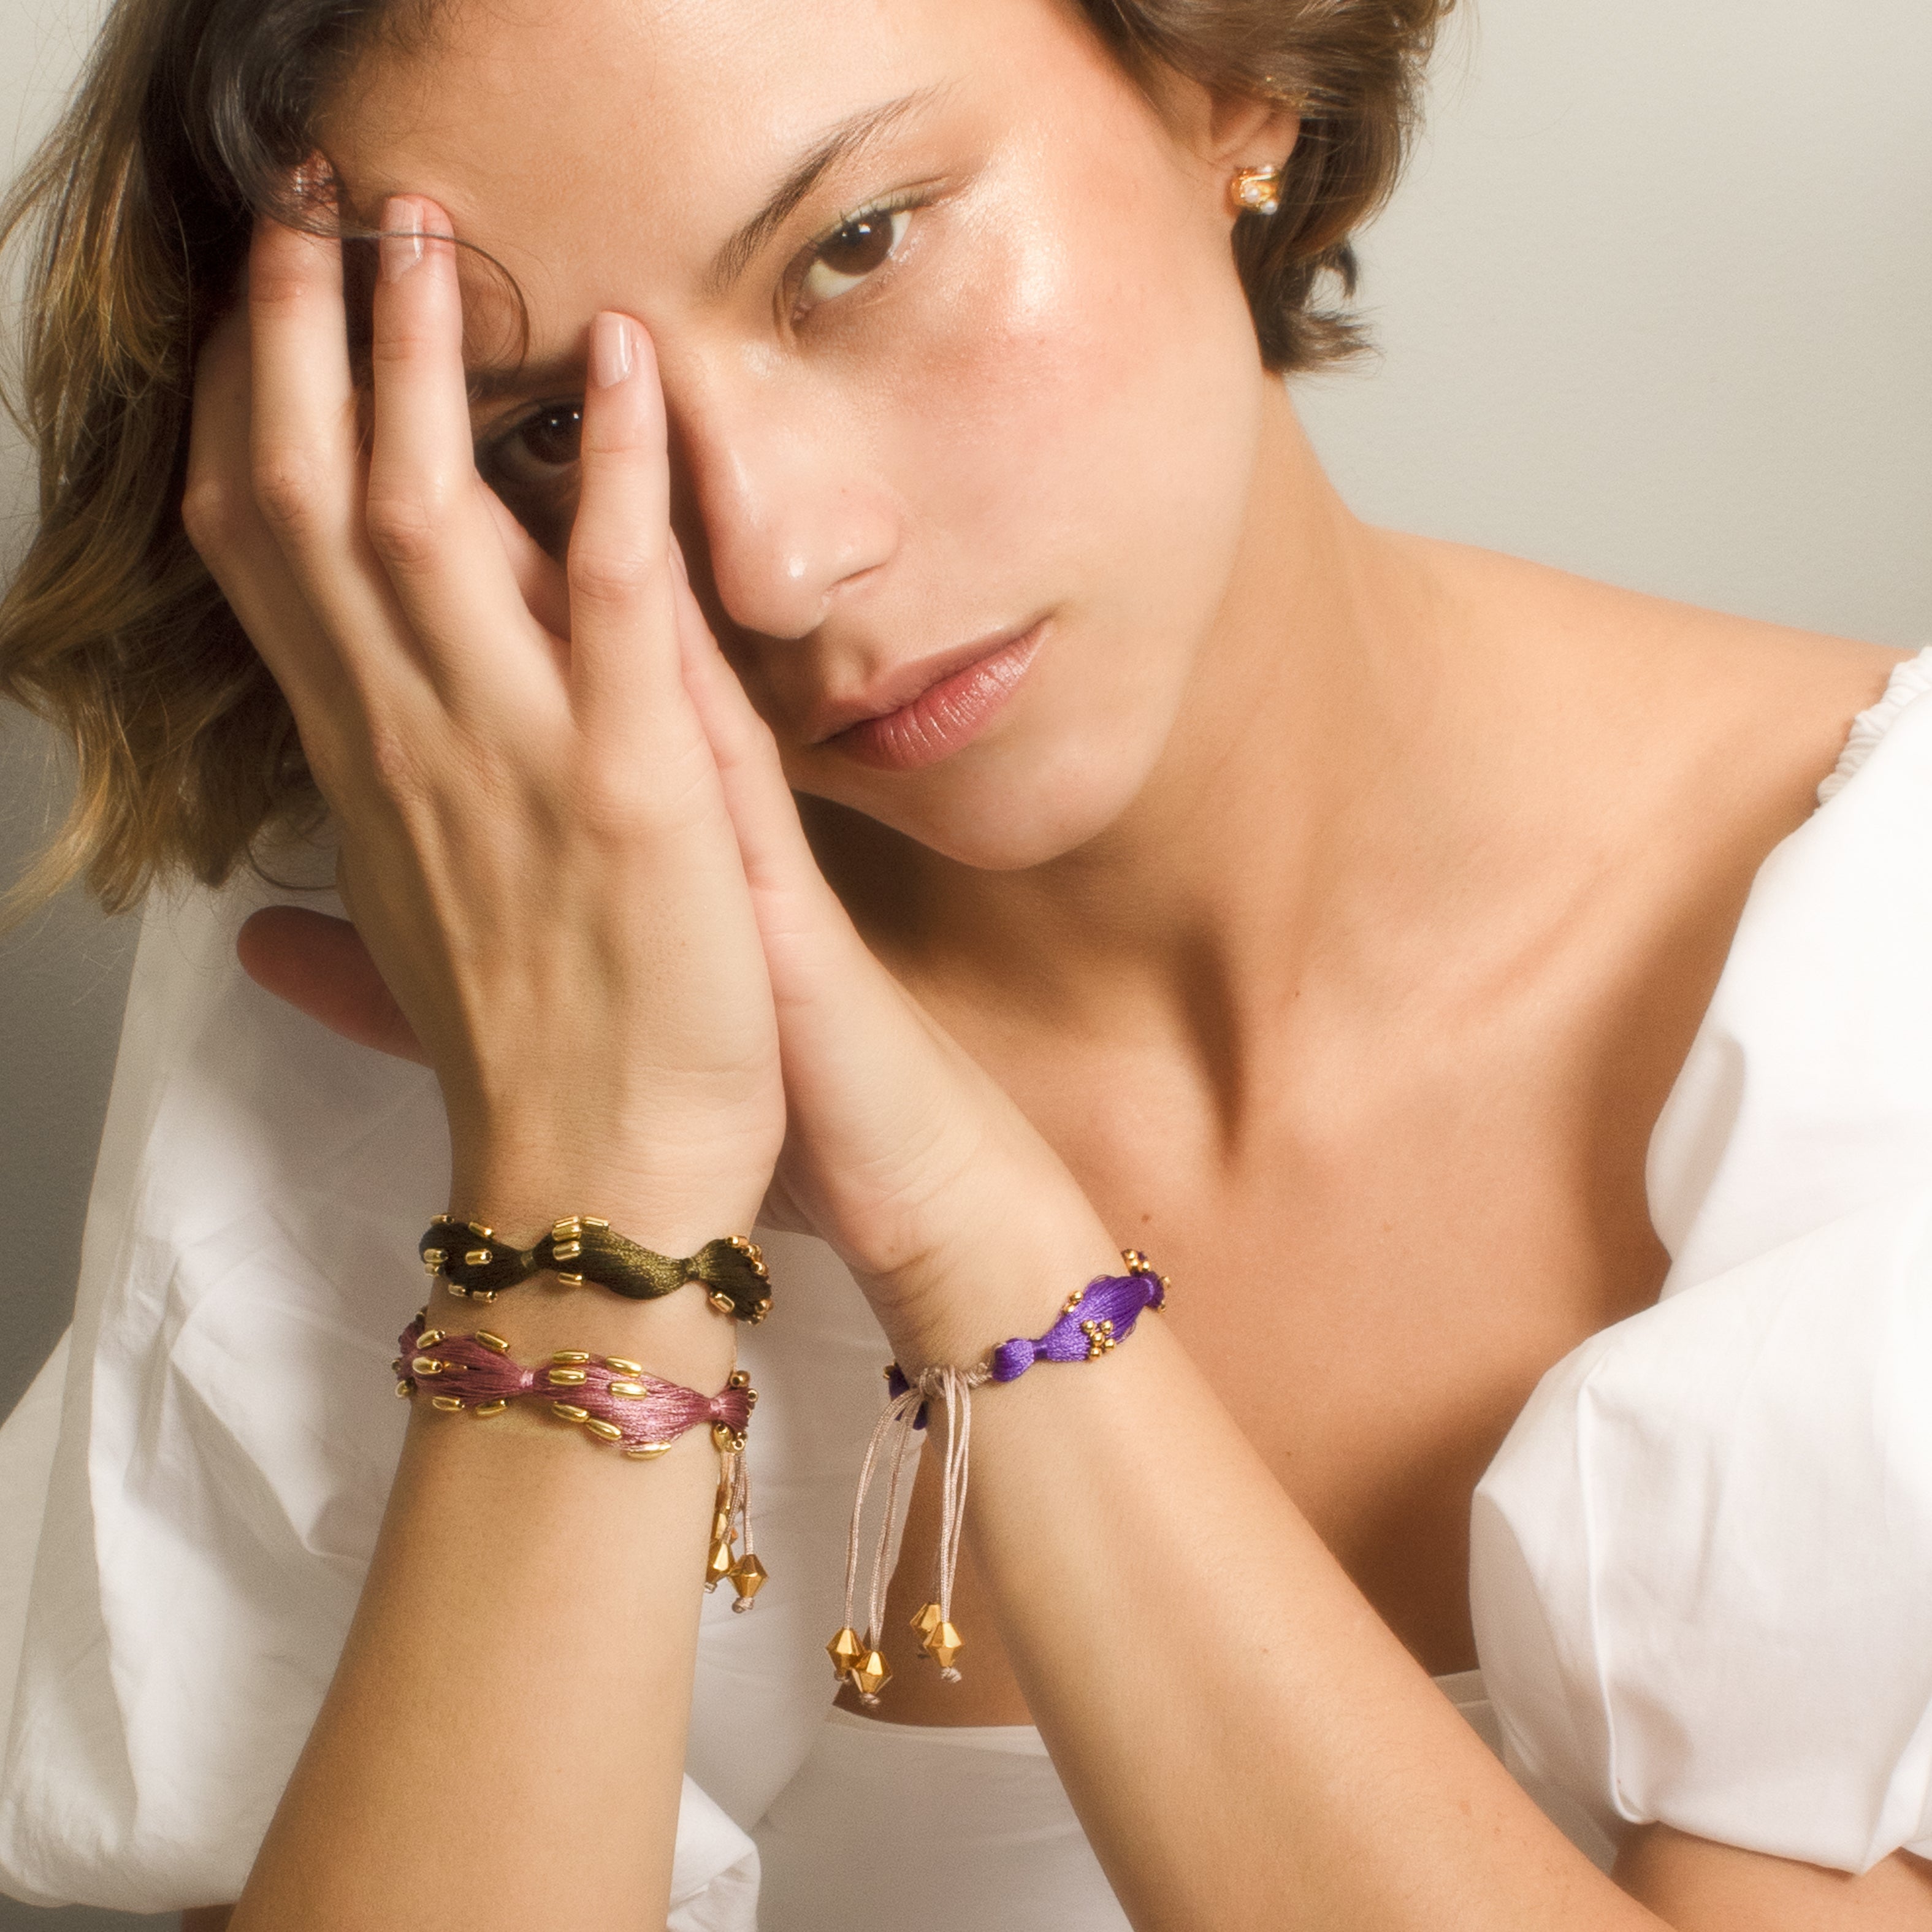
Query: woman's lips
(944, 716)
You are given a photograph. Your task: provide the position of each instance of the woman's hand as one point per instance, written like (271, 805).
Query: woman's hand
(536, 847)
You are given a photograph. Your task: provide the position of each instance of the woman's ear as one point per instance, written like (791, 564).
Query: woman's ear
(1228, 133)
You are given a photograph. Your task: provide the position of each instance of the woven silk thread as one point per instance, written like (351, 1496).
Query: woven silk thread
(461, 1366)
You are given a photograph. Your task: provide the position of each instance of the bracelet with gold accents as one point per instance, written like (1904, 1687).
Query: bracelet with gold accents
(476, 1263)
(614, 1401)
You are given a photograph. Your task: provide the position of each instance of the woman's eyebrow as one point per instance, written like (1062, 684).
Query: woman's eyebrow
(490, 384)
(846, 139)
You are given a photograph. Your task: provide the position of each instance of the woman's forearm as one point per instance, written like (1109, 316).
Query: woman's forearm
(1245, 1741)
(502, 1744)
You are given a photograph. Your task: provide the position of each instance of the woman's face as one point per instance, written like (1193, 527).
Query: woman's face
(965, 395)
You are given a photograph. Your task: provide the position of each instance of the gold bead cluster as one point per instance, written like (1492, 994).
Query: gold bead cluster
(864, 1667)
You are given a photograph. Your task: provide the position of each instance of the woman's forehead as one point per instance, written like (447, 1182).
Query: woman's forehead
(684, 107)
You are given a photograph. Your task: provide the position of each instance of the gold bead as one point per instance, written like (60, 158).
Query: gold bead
(570, 1281)
(604, 1432)
(477, 1257)
(561, 1231)
(624, 1365)
(567, 1378)
(446, 1401)
(486, 1409)
(429, 1338)
(632, 1389)
(592, 1221)
(926, 1619)
(739, 1379)
(719, 1566)
(943, 1643)
(760, 1309)
(495, 1343)
(485, 1295)
(569, 1357)
(406, 1388)
(426, 1365)
(482, 1233)
(872, 1674)
(462, 1294)
(433, 1261)
(567, 1251)
(724, 1437)
(569, 1411)
(845, 1651)
(747, 1578)
(722, 1302)
(648, 1452)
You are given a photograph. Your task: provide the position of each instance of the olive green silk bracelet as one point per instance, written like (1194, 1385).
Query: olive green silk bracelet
(474, 1264)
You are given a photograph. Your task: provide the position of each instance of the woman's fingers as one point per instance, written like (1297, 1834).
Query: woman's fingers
(427, 513)
(320, 966)
(623, 620)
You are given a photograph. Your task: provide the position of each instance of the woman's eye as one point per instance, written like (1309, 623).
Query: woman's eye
(845, 259)
(551, 439)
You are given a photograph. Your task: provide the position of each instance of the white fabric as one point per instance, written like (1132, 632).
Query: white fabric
(1701, 1562)
(1697, 1559)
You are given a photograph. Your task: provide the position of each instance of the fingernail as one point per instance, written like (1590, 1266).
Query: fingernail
(610, 353)
(402, 244)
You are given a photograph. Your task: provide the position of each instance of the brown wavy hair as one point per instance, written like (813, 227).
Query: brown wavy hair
(132, 219)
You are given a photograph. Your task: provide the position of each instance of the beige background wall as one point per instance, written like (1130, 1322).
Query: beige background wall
(1655, 304)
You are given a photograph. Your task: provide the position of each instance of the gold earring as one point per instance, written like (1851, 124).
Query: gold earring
(1257, 191)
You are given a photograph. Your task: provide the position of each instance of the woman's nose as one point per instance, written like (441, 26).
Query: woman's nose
(790, 516)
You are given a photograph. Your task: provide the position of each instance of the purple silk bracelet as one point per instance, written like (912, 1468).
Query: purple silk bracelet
(1096, 1319)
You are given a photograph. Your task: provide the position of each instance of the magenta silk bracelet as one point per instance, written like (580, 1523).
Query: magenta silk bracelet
(1093, 1321)
(614, 1400)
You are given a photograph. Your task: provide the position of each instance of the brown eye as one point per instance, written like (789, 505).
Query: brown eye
(863, 245)
(552, 440)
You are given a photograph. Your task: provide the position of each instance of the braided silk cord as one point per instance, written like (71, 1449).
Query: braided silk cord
(1093, 1321)
(469, 1257)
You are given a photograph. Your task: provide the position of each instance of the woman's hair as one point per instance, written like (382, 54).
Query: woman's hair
(133, 220)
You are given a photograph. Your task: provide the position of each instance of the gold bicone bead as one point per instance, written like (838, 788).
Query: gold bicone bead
(568, 1411)
(446, 1401)
(845, 1651)
(648, 1452)
(626, 1388)
(567, 1378)
(405, 1387)
(926, 1619)
(604, 1432)
(719, 1566)
(943, 1644)
(486, 1409)
(624, 1365)
(722, 1302)
(872, 1674)
(494, 1342)
(747, 1578)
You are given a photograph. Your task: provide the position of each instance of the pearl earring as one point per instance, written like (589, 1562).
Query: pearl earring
(1257, 191)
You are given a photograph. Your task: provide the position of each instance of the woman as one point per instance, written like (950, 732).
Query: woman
(1327, 913)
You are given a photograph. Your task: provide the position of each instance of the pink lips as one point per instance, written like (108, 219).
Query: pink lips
(945, 715)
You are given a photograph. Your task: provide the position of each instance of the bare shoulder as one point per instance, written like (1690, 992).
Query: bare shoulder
(1698, 701)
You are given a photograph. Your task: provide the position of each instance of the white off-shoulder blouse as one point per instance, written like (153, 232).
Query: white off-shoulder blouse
(1701, 1562)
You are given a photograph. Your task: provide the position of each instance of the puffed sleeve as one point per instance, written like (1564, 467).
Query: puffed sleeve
(1701, 1562)
(211, 1447)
